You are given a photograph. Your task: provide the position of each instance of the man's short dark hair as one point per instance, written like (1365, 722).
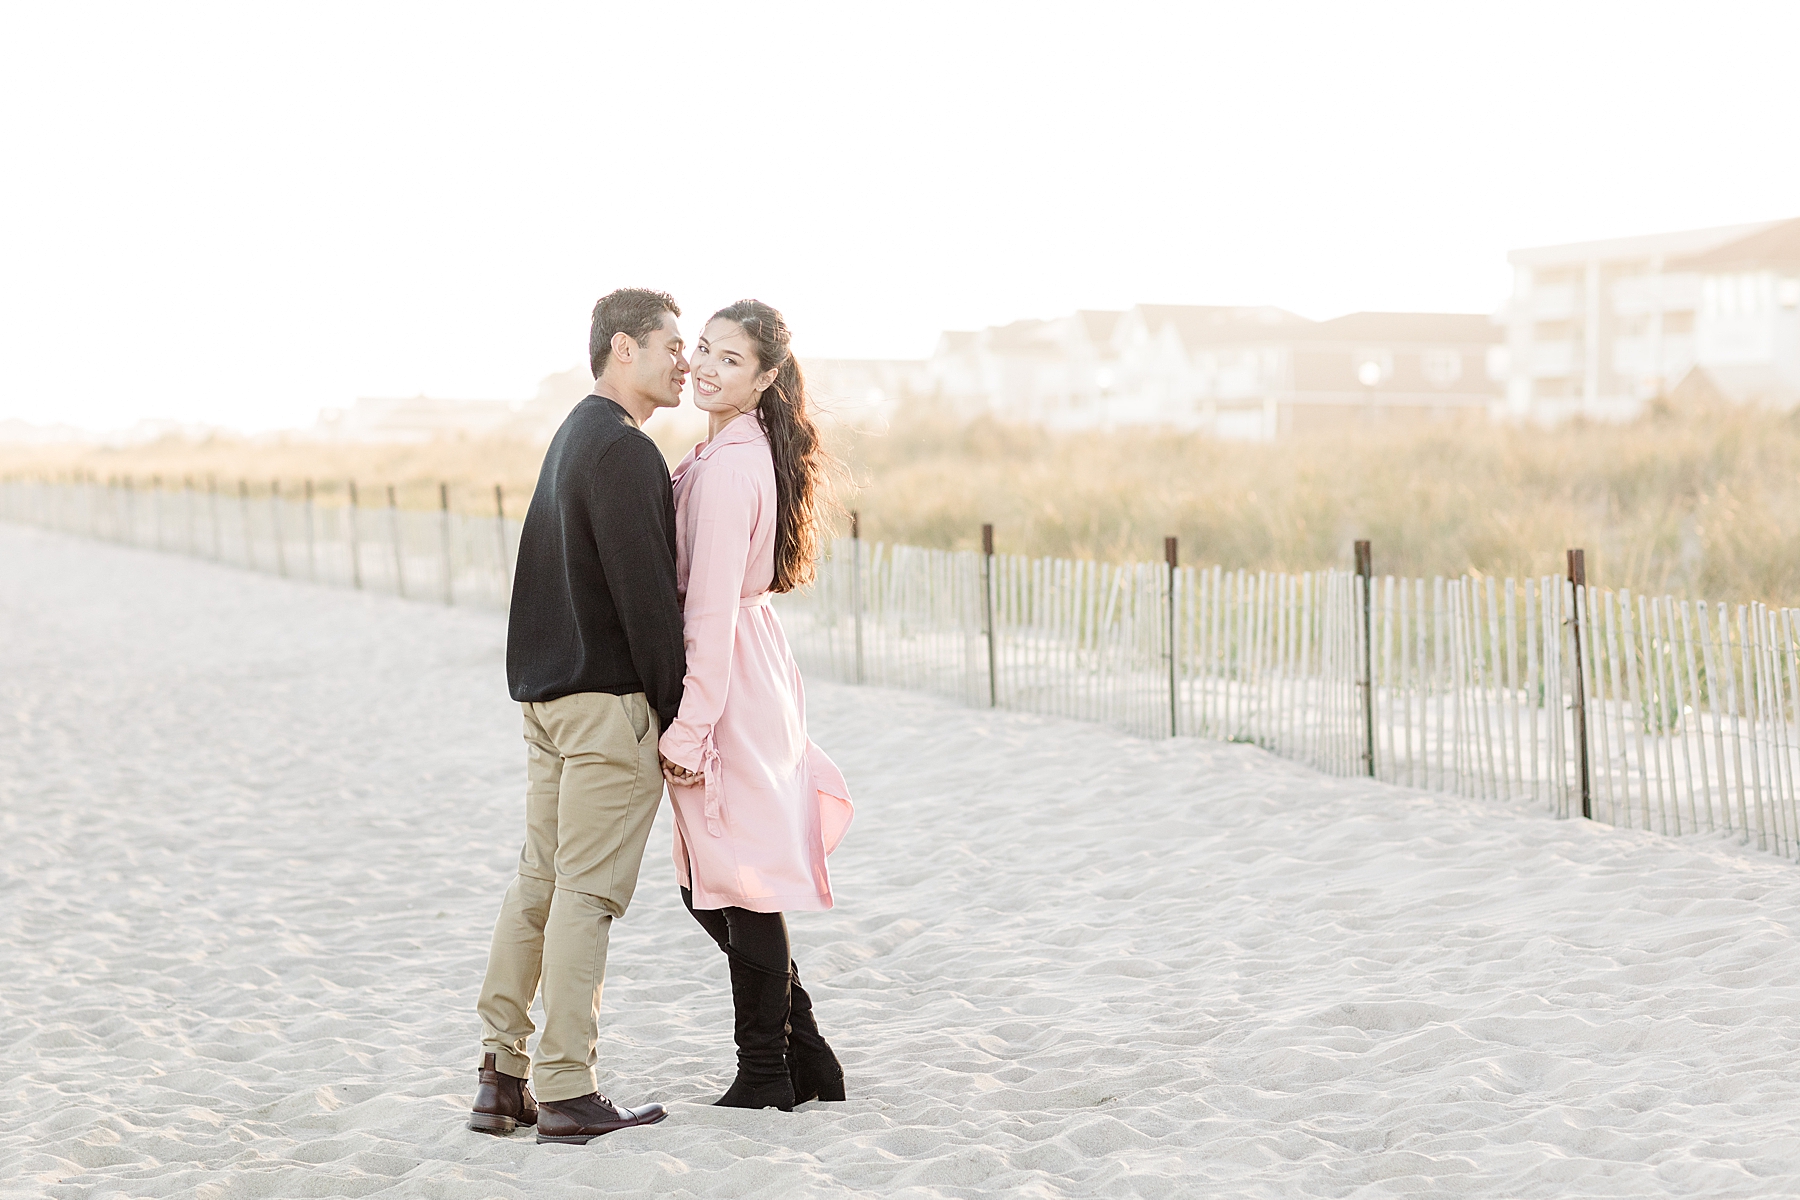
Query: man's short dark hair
(634, 311)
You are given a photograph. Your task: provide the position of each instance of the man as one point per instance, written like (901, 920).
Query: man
(594, 655)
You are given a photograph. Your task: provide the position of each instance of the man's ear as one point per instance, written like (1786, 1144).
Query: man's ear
(624, 347)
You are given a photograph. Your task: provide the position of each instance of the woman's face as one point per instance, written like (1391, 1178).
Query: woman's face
(726, 376)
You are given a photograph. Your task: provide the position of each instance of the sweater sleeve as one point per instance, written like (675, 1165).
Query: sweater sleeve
(722, 505)
(633, 513)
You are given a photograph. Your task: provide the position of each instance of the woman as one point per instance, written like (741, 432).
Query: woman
(757, 805)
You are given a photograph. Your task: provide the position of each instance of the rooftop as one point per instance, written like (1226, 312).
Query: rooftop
(1436, 328)
(1776, 245)
(1206, 324)
(1682, 242)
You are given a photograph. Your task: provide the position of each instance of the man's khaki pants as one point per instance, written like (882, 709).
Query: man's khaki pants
(595, 785)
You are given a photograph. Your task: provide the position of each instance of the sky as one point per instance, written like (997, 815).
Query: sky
(239, 214)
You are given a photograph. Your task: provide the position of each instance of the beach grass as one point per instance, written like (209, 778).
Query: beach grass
(1697, 502)
(1700, 502)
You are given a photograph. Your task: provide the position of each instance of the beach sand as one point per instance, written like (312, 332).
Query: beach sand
(256, 833)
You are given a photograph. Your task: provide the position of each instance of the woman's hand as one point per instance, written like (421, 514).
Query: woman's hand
(677, 774)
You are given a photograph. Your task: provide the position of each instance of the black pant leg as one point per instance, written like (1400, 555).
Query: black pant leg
(711, 919)
(759, 940)
(756, 938)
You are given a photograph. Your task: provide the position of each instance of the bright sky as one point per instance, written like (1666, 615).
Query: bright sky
(241, 213)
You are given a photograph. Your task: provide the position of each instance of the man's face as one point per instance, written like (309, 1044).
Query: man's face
(659, 369)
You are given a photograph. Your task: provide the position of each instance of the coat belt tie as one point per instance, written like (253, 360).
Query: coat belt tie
(715, 790)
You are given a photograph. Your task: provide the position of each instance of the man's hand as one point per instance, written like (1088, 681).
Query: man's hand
(678, 774)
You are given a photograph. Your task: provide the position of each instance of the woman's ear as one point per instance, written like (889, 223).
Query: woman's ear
(765, 379)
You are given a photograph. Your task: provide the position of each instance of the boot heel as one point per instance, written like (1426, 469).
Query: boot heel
(495, 1123)
(777, 1093)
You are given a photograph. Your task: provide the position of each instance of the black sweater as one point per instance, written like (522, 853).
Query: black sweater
(593, 604)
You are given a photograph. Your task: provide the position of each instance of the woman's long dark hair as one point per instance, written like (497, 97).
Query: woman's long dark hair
(801, 461)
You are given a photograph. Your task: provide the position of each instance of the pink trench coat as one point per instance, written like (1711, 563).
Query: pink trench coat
(773, 805)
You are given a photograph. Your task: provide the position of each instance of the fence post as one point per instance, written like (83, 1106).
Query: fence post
(355, 547)
(1172, 556)
(394, 537)
(244, 516)
(500, 531)
(987, 608)
(312, 562)
(1365, 574)
(444, 526)
(156, 507)
(275, 527)
(212, 504)
(856, 601)
(1578, 581)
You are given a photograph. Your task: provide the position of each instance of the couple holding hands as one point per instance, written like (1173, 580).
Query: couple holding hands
(643, 650)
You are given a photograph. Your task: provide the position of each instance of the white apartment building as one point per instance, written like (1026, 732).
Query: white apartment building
(1747, 329)
(1060, 371)
(1247, 373)
(419, 419)
(863, 392)
(1598, 329)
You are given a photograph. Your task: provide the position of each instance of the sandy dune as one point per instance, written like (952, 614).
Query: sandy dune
(255, 834)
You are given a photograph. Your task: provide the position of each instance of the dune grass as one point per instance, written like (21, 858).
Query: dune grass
(1697, 502)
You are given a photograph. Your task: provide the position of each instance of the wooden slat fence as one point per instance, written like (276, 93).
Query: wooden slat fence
(1690, 716)
(352, 539)
(1691, 707)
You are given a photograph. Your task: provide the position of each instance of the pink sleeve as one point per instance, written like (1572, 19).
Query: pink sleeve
(723, 506)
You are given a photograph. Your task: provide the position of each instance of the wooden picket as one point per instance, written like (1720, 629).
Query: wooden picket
(1692, 722)
(1689, 720)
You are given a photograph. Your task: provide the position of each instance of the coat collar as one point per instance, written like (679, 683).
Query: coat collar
(747, 427)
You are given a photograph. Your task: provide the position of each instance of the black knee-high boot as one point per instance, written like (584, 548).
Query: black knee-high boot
(813, 1068)
(754, 943)
(760, 1000)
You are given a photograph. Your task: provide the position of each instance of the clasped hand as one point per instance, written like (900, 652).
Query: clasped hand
(676, 773)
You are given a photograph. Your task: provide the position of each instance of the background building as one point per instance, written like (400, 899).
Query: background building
(430, 418)
(863, 392)
(1747, 328)
(1234, 372)
(1598, 329)
(1059, 371)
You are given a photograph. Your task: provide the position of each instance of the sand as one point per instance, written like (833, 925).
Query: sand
(256, 832)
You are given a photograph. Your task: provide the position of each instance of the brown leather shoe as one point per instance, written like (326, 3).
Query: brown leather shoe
(581, 1120)
(502, 1102)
